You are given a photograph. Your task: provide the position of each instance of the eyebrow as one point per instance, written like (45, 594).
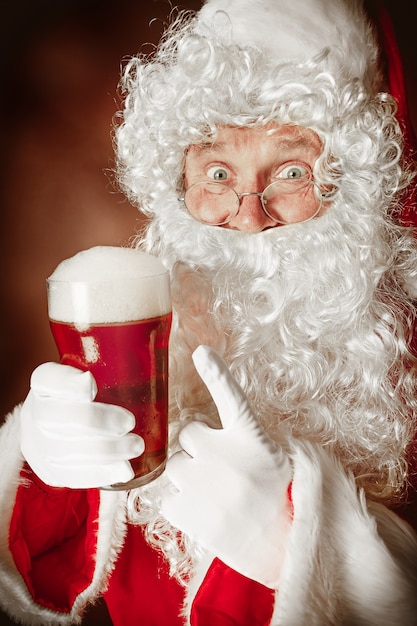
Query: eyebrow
(215, 146)
(286, 140)
(296, 142)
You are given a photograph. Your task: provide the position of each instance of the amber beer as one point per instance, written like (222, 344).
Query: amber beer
(127, 356)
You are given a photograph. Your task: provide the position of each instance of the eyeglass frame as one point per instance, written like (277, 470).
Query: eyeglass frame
(260, 195)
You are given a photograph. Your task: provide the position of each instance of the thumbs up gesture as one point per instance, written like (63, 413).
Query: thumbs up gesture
(230, 485)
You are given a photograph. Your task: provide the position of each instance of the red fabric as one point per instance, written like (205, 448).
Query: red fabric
(227, 598)
(140, 589)
(53, 540)
(395, 84)
(393, 66)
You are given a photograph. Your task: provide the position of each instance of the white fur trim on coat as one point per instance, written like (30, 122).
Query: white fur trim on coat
(348, 562)
(15, 599)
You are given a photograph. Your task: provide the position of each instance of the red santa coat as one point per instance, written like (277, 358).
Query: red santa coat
(68, 546)
(347, 561)
(140, 572)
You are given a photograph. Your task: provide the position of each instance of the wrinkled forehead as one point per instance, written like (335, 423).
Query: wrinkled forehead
(254, 140)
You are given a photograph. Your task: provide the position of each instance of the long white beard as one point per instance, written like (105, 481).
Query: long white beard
(301, 318)
(306, 319)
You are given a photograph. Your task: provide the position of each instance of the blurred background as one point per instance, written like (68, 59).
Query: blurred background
(60, 67)
(60, 64)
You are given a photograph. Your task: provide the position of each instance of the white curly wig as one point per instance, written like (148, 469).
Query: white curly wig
(314, 319)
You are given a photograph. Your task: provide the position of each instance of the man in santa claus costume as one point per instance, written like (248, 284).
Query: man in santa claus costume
(262, 142)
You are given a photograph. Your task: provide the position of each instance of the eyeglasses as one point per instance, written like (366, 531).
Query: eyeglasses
(287, 201)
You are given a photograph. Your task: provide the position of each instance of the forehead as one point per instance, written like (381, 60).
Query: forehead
(272, 137)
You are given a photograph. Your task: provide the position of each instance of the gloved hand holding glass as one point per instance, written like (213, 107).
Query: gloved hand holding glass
(110, 314)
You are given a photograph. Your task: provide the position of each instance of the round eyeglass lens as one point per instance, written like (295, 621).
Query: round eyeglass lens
(291, 201)
(211, 203)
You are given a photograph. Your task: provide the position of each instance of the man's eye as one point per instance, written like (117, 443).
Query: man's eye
(218, 174)
(294, 171)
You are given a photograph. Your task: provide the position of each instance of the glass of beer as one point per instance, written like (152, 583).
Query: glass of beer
(110, 313)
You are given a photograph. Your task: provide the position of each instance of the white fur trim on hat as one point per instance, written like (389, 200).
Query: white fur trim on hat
(299, 30)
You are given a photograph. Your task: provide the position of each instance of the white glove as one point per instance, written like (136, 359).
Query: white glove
(232, 482)
(71, 441)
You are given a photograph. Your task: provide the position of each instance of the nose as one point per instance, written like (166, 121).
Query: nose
(251, 218)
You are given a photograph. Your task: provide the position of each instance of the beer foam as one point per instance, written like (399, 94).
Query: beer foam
(107, 284)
